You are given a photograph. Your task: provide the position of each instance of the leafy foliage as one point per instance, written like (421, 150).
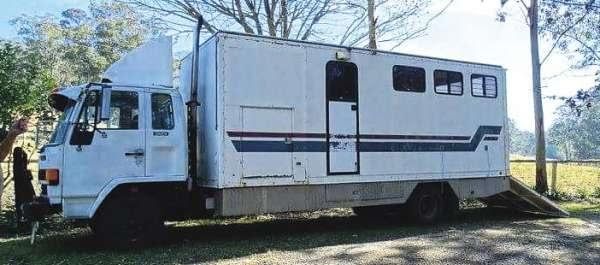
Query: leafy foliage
(573, 26)
(75, 47)
(521, 142)
(576, 134)
(23, 83)
(78, 46)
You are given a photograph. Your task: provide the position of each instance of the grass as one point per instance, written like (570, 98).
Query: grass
(67, 242)
(221, 239)
(573, 181)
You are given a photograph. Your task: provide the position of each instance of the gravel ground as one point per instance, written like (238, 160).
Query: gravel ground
(335, 236)
(529, 240)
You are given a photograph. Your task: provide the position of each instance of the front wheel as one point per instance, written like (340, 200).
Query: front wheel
(126, 220)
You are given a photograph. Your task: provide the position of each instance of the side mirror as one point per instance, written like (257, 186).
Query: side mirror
(105, 104)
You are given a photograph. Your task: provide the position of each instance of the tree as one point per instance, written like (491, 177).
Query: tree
(573, 26)
(293, 19)
(78, 46)
(531, 13)
(521, 142)
(348, 22)
(385, 21)
(542, 19)
(23, 83)
(576, 134)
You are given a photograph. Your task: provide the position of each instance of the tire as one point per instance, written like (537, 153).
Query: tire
(426, 205)
(451, 208)
(128, 220)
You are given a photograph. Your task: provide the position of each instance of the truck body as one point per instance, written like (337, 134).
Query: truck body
(286, 126)
(277, 126)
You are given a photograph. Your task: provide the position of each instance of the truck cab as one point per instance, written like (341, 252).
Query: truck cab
(108, 135)
(118, 156)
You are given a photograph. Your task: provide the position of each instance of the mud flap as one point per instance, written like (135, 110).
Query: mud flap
(522, 198)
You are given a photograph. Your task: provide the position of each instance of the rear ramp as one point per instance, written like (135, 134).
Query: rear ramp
(522, 198)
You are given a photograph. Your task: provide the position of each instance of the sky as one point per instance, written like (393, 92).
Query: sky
(468, 30)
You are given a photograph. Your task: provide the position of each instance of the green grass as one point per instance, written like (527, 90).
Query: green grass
(65, 242)
(572, 180)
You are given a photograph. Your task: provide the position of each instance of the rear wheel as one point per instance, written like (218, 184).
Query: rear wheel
(425, 204)
(129, 220)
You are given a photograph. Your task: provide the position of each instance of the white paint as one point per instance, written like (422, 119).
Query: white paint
(147, 65)
(264, 73)
(342, 137)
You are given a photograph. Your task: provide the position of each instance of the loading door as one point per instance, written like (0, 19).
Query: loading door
(342, 118)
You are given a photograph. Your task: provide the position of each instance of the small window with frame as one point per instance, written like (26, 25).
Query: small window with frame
(448, 82)
(162, 112)
(408, 78)
(124, 111)
(484, 86)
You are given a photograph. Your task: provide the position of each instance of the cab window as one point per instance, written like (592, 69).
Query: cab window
(124, 111)
(162, 112)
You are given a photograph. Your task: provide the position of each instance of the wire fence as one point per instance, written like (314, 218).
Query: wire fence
(567, 178)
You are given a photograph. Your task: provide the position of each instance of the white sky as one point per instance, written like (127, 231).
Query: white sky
(469, 31)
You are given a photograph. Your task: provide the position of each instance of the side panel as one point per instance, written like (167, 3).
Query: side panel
(403, 136)
(264, 89)
(266, 164)
(274, 199)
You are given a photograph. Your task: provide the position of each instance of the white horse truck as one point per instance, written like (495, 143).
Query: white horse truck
(266, 125)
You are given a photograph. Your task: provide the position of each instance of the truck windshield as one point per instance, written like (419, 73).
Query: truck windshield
(58, 135)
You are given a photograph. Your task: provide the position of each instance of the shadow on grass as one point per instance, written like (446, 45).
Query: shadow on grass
(206, 241)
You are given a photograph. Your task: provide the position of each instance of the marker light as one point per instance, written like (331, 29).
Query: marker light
(52, 177)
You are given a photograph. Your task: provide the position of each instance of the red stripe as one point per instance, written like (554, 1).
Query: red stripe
(362, 136)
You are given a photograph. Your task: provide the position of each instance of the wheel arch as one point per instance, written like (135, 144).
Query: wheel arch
(124, 185)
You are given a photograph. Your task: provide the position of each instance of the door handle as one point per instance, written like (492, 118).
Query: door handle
(137, 153)
(354, 107)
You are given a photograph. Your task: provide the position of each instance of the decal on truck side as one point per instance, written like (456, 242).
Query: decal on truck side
(434, 143)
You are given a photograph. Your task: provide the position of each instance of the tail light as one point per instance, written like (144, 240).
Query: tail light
(52, 176)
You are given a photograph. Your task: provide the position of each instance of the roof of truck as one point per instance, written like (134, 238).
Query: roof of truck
(350, 48)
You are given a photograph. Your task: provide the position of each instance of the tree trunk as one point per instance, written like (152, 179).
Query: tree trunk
(372, 24)
(541, 183)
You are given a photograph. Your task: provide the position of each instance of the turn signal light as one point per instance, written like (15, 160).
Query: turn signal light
(52, 177)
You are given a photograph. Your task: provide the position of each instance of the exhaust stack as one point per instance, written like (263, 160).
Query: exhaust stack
(192, 106)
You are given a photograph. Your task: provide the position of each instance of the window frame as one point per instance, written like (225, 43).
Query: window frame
(421, 69)
(152, 111)
(138, 95)
(483, 88)
(448, 84)
(329, 83)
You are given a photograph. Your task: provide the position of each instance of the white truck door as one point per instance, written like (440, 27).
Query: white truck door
(165, 135)
(342, 118)
(116, 150)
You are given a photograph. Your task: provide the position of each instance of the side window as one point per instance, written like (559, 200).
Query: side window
(448, 82)
(341, 81)
(124, 111)
(162, 112)
(484, 86)
(407, 78)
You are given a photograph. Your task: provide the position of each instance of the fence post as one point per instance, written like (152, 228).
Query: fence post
(553, 184)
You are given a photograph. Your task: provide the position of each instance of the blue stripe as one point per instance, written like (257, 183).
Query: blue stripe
(321, 146)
